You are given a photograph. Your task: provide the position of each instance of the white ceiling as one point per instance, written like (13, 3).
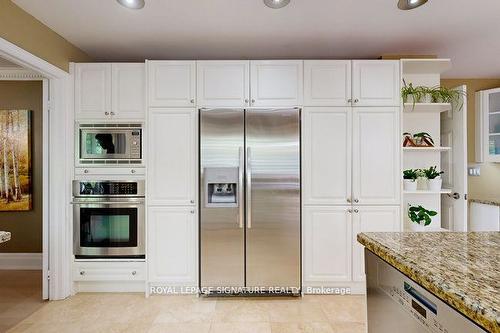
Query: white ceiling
(466, 31)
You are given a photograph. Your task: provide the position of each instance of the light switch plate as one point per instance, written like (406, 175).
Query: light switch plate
(474, 170)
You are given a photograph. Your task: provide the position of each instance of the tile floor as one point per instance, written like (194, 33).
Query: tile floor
(20, 296)
(93, 312)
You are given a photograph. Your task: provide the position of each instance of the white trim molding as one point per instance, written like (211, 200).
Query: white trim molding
(20, 261)
(18, 74)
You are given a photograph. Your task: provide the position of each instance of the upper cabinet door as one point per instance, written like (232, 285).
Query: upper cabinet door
(92, 91)
(128, 90)
(276, 83)
(376, 156)
(327, 155)
(172, 157)
(327, 83)
(375, 83)
(172, 83)
(223, 83)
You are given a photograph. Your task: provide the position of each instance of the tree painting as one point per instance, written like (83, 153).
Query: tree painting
(15, 160)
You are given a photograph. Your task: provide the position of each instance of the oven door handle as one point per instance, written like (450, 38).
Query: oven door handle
(107, 202)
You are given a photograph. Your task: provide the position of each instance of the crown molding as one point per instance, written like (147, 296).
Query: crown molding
(10, 73)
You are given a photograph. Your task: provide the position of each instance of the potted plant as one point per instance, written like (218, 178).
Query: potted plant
(411, 94)
(410, 180)
(426, 95)
(422, 181)
(434, 177)
(420, 217)
(447, 95)
(423, 139)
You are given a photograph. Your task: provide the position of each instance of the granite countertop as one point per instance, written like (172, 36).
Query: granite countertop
(486, 201)
(462, 269)
(4, 236)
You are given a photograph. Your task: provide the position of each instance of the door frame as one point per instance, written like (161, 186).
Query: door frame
(56, 192)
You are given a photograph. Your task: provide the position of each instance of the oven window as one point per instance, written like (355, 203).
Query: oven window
(105, 143)
(108, 227)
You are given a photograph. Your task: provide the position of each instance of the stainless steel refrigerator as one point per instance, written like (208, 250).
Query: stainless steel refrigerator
(250, 190)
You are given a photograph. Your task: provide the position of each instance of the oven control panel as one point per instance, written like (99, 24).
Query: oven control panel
(108, 188)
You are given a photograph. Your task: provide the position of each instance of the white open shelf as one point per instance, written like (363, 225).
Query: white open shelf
(425, 66)
(443, 191)
(426, 148)
(427, 107)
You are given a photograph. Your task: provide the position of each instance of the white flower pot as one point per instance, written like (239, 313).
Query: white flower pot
(427, 98)
(422, 183)
(417, 227)
(435, 184)
(410, 184)
(409, 99)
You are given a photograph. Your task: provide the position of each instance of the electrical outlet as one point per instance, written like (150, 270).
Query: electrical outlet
(474, 170)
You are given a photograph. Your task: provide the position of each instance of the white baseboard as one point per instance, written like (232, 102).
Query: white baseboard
(20, 261)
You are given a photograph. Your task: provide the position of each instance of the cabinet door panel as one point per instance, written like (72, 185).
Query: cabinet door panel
(128, 90)
(327, 82)
(223, 83)
(92, 91)
(172, 245)
(172, 157)
(172, 83)
(371, 219)
(376, 82)
(376, 156)
(327, 245)
(276, 83)
(327, 155)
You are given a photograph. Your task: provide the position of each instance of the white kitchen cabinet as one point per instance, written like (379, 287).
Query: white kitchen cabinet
(128, 91)
(276, 83)
(370, 219)
(172, 156)
(488, 126)
(327, 155)
(327, 82)
(92, 91)
(223, 83)
(108, 92)
(172, 245)
(172, 83)
(327, 245)
(376, 156)
(376, 82)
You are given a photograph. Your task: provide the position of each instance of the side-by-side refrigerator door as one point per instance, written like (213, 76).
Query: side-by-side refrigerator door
(273, 198)
(221, 198)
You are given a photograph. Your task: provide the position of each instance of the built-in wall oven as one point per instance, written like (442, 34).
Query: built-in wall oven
(109, 219)
(110, 144)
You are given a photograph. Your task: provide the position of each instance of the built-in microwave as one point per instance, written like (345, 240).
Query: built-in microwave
(110, 143)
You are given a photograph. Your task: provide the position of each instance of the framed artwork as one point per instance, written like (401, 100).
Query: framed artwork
(15, 160)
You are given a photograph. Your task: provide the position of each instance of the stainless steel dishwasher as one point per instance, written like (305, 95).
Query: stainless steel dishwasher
(397, 304)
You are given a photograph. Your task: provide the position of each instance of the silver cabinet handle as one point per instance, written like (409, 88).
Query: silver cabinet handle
(349, 100)
(348, 200)
(106, 113)
(356, 200)
(253, 101)
(85, 171)
(112, 113)
(356, 100)
(192, 101)
(241, 211)
(132, 171)
(249, 188)
(82, 273)
(356, 211)
(349, 210)
(134, 272)
(246, 101)
(192, 211)
(192, 201)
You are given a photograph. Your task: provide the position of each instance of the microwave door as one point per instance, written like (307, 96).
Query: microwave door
(104, 144)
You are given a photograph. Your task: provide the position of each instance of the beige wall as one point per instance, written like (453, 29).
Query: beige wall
(26, 227)
(22, 29)
(488, 184)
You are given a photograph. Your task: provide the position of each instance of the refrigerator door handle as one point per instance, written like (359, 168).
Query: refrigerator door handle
(241, 193)
(249, 188)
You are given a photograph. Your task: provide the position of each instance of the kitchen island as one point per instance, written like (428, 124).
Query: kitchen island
(460, 269)
(4, 236)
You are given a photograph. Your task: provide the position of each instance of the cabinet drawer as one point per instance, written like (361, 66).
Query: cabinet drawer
(109, 271)
(110, 171)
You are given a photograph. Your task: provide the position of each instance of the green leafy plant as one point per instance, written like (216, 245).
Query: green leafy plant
(416, 92)
(419, 214)
(447, 95)
(432, 172)
(410, 174)
(423, 135)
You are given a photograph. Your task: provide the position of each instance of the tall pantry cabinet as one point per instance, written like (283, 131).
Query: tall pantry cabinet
(351, 164)
(172, 241)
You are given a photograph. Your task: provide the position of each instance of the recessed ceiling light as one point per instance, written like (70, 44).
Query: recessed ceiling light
(275, 4)
(410, 4)
(132, 4)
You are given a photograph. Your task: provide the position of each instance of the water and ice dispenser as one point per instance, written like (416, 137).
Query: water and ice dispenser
(221, 187)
